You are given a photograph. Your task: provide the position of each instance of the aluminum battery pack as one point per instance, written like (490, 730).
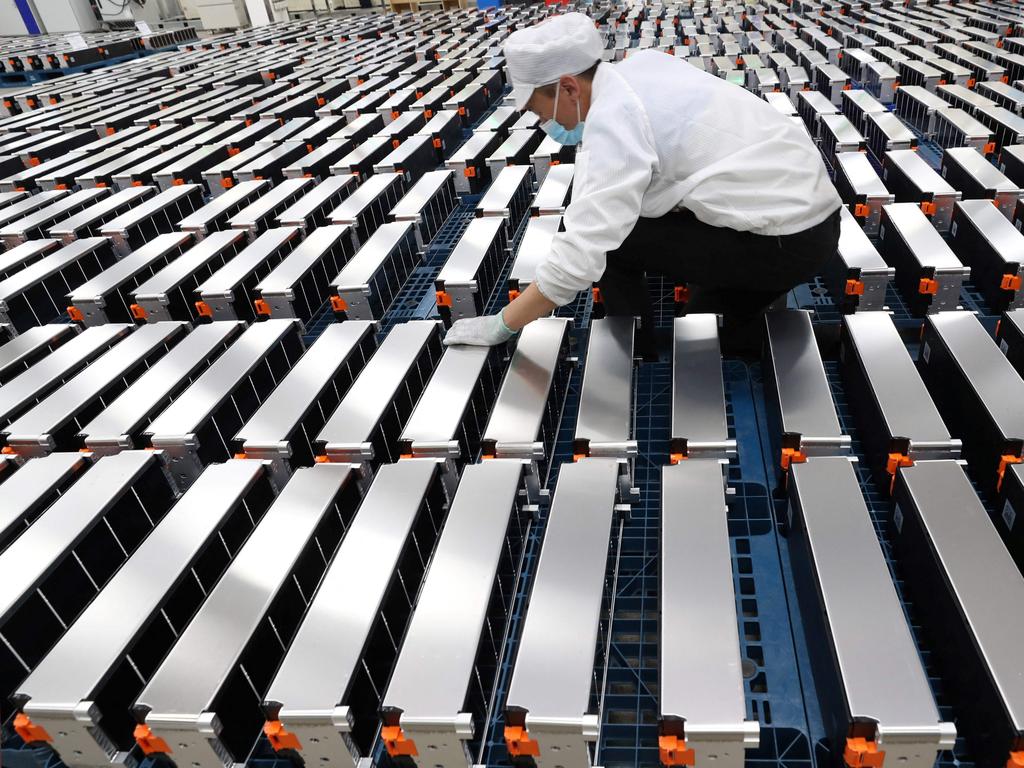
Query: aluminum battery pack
(701, 706)
(961, 577)
(548, 709)
(879, 694)
(120, 424)
(441, 691)
(224, 650)
(84, 704)
(282, 428)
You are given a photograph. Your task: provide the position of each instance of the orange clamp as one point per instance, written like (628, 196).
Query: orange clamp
(395, 143)
(278, 737)
(227, 183)
(513, 294)
(894, 462)
(519, 743)
(338, 304)
(928, 285)
(428, 113)
(862, 753)
(204, 309)
(672, 750)
(29, 731)
(791, 456)
(396, 743)
(462, 111)
(854, 287)
(33, 161)
(232, 151)
(76, 314)
(989, 148)
(1004, 461)
(111, 131)
(395, 114)
(1010, 282)
(137, 184)
(469, 172)
(437, 144)
(148, 742)
(675, 458)
(138, 312)
(971, 82)
(1015, 760)
(598, 298)
(443, 299)
(860, 210)
(928, 208)
(262, 308)
(681, 294)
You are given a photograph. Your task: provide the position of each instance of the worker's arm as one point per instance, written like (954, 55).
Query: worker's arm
(612, 173)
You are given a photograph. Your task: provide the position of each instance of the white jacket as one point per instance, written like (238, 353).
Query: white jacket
(661, 133)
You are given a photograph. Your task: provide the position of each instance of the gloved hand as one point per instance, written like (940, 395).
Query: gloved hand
(486, 331)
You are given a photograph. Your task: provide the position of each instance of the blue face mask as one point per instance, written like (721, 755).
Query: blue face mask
(559, 132)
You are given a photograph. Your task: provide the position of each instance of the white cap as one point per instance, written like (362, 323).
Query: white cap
(539, 55)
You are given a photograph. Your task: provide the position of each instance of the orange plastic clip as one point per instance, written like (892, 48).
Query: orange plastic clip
(262, 308)
(928, 286)
(428, 113)
(989, 148)
(894, 462)
(971, 82)
(1010, 282)
(861, 753)
(469, 172)
(111, 131)
(854, 287)
(443, 299)
(462, 111)
(204, 309)
(675, 458)
(138, 312)
(1004, 461)
(29, 731)
(928, 208)
(338, 304)
(396, 143)
(513, 294)
(396, 743)
(227, 183)
(681, 294)
(672, 750)
(322, 459)
(791, 456)
(137, 184)
(278, 737)
(597, 295)
(75, 314)
(148, 742)
(519, 743)
(240, 456)
(437, 143)
(1015, 760)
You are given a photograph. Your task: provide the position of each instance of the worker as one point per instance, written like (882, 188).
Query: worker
(678, 173)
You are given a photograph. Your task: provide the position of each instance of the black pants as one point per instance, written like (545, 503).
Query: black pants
(735, 274)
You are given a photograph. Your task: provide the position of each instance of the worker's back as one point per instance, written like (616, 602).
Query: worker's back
(723, 153)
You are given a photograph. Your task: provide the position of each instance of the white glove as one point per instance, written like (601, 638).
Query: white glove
(486, 331)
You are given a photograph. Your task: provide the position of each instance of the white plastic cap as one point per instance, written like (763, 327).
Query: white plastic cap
(539, 55)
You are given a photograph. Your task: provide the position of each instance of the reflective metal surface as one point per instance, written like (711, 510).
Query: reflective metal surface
(516, 418)
(804, 399)
(998, 386)
(700, 677)
(61, 687)
(113, 277)
(364, 195)
(927, 245)
(464, 262)
(31, 433)
(882, 677)
(190, 676)
(311, 685)
(349, 428)
(51, 370)
(996, 230)
(262, 207)
(110, 431)
(432, 428)
(186, 265)
(265, 433)
(533, 249)
(233, 198)
(68, 228)
(554, 666)
(50, 264)
(225, 279)
(63, 525)
(897, 388)
(411, 206)
(24, 488)
(297, 214)
(553, 194)
(372, 256)
(498, 197)
(26, 345)
(699, 423)
(197, 402)
(435, 666)
(922, 175)
(604, 424)
(976, 565)
(306, 254)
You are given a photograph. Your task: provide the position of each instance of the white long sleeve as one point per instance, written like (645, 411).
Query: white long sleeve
(662, 134)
